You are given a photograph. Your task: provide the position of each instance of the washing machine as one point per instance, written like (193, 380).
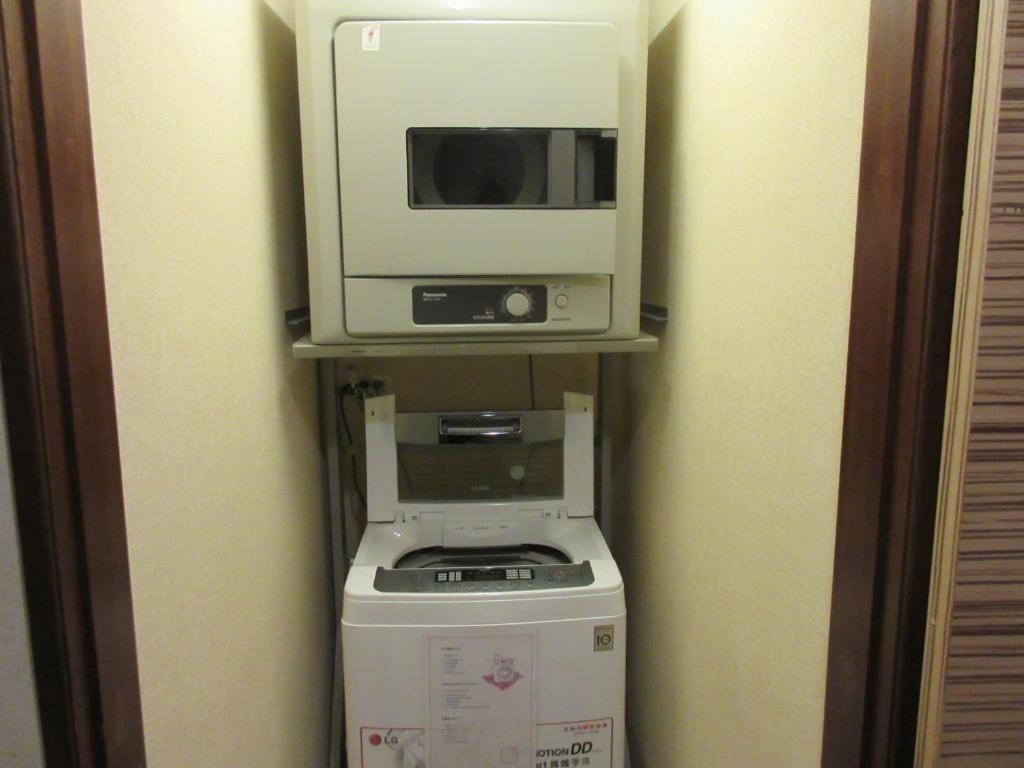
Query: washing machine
(484, 621)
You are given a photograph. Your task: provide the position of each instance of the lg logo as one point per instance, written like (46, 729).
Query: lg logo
(604, 637)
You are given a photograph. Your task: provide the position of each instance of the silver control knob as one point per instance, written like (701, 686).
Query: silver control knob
(517, 304)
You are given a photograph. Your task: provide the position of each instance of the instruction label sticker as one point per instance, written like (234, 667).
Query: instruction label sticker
(579, 744)
(371, 37)
(481, 701)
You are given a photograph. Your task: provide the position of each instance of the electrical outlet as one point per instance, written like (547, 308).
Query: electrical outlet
(350, 375)
(365, 383)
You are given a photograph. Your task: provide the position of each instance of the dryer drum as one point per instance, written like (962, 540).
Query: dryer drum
(457, 168)
(450, 168)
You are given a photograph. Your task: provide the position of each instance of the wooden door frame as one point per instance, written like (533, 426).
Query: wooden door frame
(59, 395)
(916, 124)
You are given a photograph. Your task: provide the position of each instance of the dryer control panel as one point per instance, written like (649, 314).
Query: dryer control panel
(492, 579)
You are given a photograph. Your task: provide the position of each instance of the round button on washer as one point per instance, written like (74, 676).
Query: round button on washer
(561, 301)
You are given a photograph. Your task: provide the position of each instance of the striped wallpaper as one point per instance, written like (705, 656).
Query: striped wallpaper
(983, 704)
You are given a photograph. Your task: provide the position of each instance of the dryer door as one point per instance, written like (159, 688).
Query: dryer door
(477, 148)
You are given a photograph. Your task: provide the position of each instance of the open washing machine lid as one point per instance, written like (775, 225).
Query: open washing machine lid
(480, 466)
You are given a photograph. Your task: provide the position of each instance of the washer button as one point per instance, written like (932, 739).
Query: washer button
(561, 301)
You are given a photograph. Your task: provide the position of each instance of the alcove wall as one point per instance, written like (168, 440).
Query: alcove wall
(728, 458)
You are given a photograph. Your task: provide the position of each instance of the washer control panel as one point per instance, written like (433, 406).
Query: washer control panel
(492, 579)
(484, 574)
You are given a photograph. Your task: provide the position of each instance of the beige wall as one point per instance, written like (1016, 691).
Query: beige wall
(732, 430)
(196, 143)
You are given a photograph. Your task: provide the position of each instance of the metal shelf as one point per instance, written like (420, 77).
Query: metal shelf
(304, 348)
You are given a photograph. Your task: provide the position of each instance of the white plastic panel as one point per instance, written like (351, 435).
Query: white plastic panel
(466, 74)
(381, 459)
(579, 454)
